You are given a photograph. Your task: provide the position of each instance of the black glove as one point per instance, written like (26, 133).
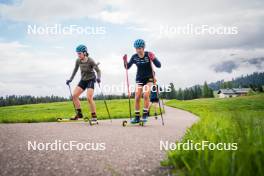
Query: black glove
(68, 82)
(98, 80)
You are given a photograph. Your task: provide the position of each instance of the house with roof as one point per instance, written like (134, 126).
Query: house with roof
(234, 92)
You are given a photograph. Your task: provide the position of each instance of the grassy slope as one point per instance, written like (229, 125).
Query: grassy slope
(50, 111)
(239, 120)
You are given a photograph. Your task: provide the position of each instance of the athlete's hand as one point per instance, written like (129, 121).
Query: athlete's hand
(98, 80)
(125, 58)
(151, 56)
(155, 81)
(68, 82)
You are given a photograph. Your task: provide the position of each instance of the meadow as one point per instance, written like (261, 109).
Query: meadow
(232, 120)
(49, 112)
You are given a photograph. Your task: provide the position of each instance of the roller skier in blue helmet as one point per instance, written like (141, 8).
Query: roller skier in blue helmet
(144, 77)
(88, 78)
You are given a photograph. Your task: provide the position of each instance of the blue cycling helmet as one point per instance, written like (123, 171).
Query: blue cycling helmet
(139, 43)
(81, 48)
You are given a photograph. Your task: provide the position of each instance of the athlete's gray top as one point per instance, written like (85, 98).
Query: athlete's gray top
(87, 67)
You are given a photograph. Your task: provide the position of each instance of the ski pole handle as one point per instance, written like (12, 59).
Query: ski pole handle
(125, 58)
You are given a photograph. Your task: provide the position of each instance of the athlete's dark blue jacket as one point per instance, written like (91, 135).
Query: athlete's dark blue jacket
(143, 66)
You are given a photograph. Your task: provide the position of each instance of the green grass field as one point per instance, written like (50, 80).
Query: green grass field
(48, 112)
(235, 120)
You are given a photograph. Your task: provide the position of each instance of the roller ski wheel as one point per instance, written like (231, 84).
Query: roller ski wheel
(91, 122)
(156, 117)
(124, 123)
(86, 119)
(141, 123)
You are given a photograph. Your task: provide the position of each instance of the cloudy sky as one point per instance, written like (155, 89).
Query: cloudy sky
(39, 63)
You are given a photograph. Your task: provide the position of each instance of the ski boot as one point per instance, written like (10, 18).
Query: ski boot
(135, 120)
(145, 115)
(93, 120)
(79, 115)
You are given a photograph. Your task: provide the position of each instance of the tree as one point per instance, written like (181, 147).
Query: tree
(205, 90)
(172, 93)
(180, 94)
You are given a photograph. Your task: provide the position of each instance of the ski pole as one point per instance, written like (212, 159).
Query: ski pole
(128, 92)
(105, 103)
(157, 92)
(161, 97)
(163, 105)
(72, 98)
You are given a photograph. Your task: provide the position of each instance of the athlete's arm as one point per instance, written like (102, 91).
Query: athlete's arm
(96, 68)
(157, 62)
(153, 58)
(130, 63)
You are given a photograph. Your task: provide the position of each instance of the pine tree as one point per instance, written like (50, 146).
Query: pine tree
(205, 90)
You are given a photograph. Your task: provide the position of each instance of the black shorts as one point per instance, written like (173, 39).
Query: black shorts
(89, 84)
(154, 100)
(144, 81)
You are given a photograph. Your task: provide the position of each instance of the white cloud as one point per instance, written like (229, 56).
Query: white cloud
(45, 12)
(186, 60)
(26, 72)
(113, 17)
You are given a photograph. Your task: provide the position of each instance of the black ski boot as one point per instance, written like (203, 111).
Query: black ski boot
(78, 115)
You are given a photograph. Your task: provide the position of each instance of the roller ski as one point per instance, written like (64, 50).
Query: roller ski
(137, 119)
(134, 121)
(93, 120)
(61, 119)
(78, 117)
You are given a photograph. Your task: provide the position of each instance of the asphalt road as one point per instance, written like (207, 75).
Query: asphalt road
(111, 148)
